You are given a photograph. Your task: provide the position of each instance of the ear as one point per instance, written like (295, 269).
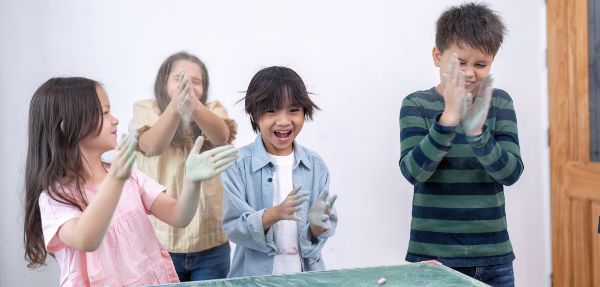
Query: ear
(62, 126)
(437, 56)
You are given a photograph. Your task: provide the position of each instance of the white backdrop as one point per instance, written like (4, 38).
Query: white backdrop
(359, 58)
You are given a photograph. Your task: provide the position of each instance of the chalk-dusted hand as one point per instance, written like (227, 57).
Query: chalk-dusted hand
(319, 213)
(124, 157)
(183, 98)
(292, 203)
(453, 80)
(203, 166)
(477, 109)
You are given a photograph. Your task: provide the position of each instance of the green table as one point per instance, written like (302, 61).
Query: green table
(416, 274)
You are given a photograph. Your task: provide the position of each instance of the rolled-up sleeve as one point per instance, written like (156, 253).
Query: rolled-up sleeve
(242, 224)
(219, 110)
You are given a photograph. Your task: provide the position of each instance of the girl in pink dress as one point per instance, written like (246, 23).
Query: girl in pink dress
(92, 216)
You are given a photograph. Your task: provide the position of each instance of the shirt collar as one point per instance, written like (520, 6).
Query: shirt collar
(260, 158)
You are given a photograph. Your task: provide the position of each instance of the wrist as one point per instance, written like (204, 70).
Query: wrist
(449, 119)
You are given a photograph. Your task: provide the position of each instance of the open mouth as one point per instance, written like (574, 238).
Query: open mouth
(283, 135)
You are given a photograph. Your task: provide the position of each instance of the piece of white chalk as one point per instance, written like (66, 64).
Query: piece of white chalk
(380, 281)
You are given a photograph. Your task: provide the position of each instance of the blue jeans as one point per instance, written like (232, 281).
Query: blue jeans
(204, 265)
(500, 275)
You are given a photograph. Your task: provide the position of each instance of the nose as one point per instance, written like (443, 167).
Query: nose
(469, 72)
(114, 120)
(283, 118)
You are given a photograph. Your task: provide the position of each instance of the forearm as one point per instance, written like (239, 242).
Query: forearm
(158, 138)
(212, 126)
(500, 163)
(186, 206)
(270, 217)
(88, 231)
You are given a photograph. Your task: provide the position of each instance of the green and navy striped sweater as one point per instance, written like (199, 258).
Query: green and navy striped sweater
(458, 215)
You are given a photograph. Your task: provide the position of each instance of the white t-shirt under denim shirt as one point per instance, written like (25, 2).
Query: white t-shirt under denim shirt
(285, 232)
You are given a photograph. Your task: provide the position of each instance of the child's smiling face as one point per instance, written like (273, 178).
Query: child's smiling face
(280, 127)
(474, 63)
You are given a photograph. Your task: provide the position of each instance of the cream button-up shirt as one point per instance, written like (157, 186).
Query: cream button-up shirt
(205, 230)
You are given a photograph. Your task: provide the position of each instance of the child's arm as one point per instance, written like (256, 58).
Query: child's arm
(199, 167)
(212, 126)
(423, 149)
(499, 154)
(87, 232)
(157, 138)
(241, 222)
(453, 85)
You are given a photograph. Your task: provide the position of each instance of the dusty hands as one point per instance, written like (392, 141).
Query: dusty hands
(477, 109)
(199, 167)
(183, 99)
(453, 80)
(291, 204)
(124, 157)
(319, 213)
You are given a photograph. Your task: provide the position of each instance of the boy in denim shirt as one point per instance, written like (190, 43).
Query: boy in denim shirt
(276, 205)
(459, 147)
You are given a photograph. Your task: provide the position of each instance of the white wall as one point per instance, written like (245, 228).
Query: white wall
(360, 58)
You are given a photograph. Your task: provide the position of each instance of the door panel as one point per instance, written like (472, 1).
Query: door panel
(575, 180)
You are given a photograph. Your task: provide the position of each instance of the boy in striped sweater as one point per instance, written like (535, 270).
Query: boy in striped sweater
(459, 147)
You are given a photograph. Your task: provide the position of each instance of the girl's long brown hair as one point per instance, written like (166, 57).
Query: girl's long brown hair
(182, 136)
(62, 112)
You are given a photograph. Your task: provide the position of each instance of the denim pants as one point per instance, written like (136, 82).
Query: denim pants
(500, 275)
(204, 265)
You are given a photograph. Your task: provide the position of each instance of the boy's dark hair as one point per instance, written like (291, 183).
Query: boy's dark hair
(271, 87)
(473, 24)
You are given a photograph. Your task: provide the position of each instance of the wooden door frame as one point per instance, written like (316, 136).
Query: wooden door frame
(571, 171)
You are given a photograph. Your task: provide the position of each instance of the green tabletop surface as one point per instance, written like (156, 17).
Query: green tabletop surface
(414, 274)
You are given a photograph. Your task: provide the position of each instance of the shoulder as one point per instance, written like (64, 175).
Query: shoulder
(501, 99)
(423, 98)
(149, 105)
(313, 157)
(501, 94)
(215, 105)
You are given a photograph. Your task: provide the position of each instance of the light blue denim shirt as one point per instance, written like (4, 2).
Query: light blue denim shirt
(248, 191)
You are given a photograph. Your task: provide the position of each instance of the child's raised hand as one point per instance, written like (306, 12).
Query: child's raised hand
(454, 92)
(319, 213)
(124, 157)
(292, 204)
(199, 167)
(183, 98)
(477, 111)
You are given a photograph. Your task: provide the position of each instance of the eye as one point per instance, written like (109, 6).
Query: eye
(480, 65)
(196, 82)
(294, 110)
(270, 111)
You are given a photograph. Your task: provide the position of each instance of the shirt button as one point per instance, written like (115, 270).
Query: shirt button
(270, 179)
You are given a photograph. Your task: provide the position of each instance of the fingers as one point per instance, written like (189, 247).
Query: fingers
(299, 198)
(226, 161)
(225, 151)
(197, 145)
(323, 195)
(182, 80)
(223, 168)
(295, 190)
(332, 201)
(450, 70)
(215, 151)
